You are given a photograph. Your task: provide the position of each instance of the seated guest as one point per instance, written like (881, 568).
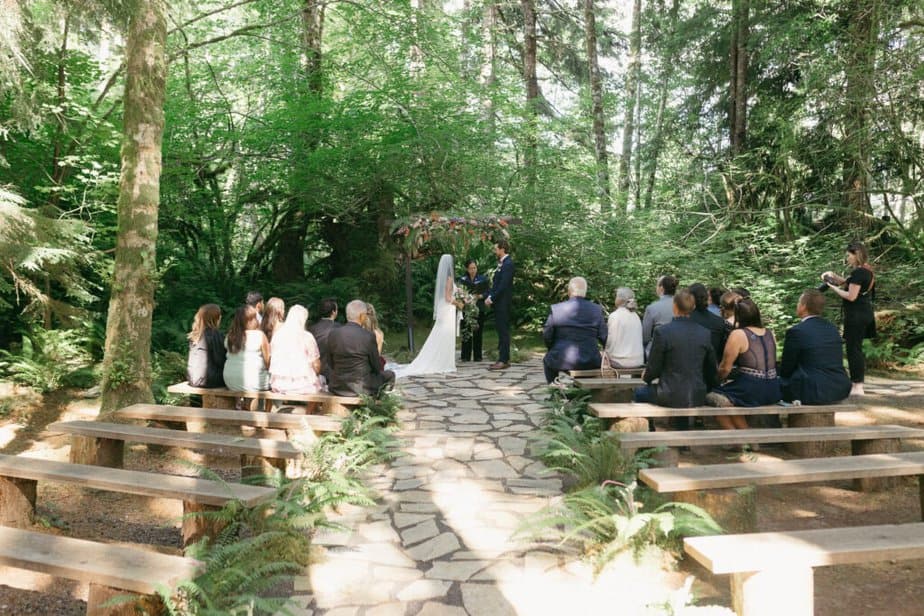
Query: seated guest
(372, 324)
(248, 353)
(728, 302)
(682, 360)
(294, 358)
(744, 293)
(715, 300)
(624, 347)
(701, 315)
(353, 357)
(812, 367)
(206, 358)
(572, 331)
(751, 350)
(274, 313)
(321, 330)
(660, 312)
(255, 300)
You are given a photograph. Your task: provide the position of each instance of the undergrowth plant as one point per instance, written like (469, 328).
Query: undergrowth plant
(48, 359)
(259, 548)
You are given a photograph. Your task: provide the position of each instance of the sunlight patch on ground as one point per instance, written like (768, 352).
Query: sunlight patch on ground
(8, 434)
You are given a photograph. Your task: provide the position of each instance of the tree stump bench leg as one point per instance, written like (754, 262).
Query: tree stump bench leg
(197, 523)
(99, 595)
(811, 449)
(17, 501)
(332, 407)
(735, 509)
(211, 401)
(884, 445)
(261, 467)
(611, 395)
(97, 451)
(773, 592)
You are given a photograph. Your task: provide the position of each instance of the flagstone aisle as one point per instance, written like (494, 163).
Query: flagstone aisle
(440, 542)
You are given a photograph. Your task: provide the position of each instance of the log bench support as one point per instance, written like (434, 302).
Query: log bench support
(811, 449)
(97, 451)
(734, 509)
(17, 502)
(785, 590)
(98, 595)
(884, 445)
(199, 522)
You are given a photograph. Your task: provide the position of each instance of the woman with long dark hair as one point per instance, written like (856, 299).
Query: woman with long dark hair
(859, 321)
(206, 359)
(248, 353)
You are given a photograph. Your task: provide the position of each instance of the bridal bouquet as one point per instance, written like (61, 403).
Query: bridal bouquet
(468, 308)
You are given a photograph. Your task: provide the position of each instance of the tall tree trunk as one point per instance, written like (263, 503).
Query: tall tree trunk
(289, 257)
(667, 71)
(488, 62)
(532, 96)
(862, 35)
(738, 69)
(127, 358)
(633, 72)
(596, 99)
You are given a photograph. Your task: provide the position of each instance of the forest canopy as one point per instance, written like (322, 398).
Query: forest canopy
(727, 142)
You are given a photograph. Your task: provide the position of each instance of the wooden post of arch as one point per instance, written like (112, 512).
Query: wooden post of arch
(409, 300)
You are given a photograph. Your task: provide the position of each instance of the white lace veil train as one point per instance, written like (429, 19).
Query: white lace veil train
(443, 272)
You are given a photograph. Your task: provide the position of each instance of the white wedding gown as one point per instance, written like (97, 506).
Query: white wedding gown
(439, 351)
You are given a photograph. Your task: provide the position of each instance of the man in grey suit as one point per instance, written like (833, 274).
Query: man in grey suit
(660, 312)
(353, 357)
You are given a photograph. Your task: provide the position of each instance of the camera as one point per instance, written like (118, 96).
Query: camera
(828, 279)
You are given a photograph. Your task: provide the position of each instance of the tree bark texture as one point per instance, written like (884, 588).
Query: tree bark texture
(667, 71)
(532, 95)
(127, 359)
(633, 81)
(738, 69)
(862, 35)
(596, 100)
(488, 62)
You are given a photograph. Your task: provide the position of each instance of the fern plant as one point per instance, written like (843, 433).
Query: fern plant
(47, 359)
(604, 520)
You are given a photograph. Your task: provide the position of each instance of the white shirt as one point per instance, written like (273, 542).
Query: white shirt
(624, 339)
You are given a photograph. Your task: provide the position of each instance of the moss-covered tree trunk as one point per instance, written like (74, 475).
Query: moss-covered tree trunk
(596, 104)
(127, 359)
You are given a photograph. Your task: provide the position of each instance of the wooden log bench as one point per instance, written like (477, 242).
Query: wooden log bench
(735, 508)
(772, 573)
(103, 444)
(19, 477)
(610, 389)
(607, 373)
(283, 426)
(863, 439)
(110, 570)
(223, 398)
(803, 416)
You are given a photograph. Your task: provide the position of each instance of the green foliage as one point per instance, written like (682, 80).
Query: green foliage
(604, 520)
(49, 359)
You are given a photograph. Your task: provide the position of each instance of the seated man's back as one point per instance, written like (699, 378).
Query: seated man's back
(353, 358)
(572, 332)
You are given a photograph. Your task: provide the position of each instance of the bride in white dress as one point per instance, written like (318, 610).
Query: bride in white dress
(439, 351)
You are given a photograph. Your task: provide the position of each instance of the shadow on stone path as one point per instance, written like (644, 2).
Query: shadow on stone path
(441, 542)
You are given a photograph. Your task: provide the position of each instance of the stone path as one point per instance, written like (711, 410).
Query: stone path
(441, 541)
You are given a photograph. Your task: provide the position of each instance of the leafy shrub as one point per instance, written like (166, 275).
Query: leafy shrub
(45, 358)
(604, 520)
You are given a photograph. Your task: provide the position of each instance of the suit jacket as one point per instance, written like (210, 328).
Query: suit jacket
(571, 333)
(657, 314)
(501, 292)
(812, 368)
(353, 357)
(716, 327)
(683, 360)
(321, 330)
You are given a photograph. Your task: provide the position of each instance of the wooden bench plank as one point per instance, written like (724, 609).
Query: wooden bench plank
(175, 438)
(116, 566)
(606, 372)
(621, 410)
(186, 388)
(192, 489)
(614, 383)
(282, 421)
(697, 438)
(814, 548)
(736, 475)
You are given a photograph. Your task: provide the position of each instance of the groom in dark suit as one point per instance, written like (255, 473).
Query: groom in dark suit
(500, 297)
(812, 368)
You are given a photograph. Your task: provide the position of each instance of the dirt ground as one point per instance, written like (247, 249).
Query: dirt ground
(888, 588)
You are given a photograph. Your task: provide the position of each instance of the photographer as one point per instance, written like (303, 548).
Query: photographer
(859, 322)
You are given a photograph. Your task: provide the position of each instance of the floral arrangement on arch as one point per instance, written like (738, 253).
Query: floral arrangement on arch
(416, 231)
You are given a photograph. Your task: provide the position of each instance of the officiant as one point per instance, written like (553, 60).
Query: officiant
(477, 285)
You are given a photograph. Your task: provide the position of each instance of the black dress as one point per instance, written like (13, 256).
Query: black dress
(859, 321)
(206, 361)
(756, 383)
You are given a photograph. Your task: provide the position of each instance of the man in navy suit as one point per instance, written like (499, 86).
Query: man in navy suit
(572, 331)
(812, 368)
(500, 297)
